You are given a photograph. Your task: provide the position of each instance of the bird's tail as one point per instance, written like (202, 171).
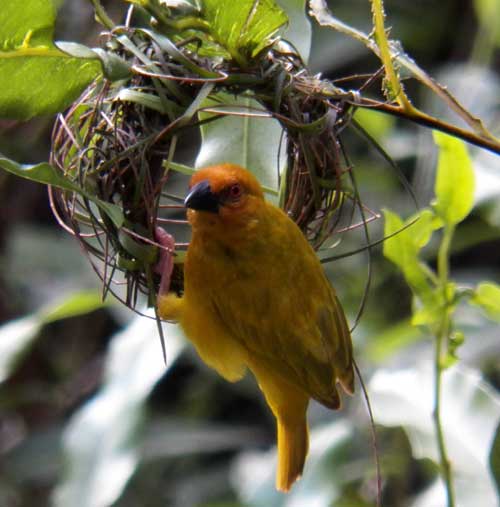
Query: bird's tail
(293, 444)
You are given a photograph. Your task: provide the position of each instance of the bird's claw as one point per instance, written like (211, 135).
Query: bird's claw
(165, 264)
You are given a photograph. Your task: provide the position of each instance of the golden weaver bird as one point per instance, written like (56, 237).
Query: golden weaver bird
(256, 297)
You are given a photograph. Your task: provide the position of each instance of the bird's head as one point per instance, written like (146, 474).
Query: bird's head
(222, 198)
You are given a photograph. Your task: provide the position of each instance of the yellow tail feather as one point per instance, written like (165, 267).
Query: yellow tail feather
(293, 445)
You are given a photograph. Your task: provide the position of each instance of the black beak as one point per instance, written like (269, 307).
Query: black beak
(201, 198)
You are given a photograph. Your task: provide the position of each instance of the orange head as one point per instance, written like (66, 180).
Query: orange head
(223, 197)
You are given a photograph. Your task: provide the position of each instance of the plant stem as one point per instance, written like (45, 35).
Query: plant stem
(102, 15)
(386, 56)
(441, 338)
(319, 10)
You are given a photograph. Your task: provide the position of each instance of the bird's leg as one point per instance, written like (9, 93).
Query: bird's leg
(169, 304)
(165, 264)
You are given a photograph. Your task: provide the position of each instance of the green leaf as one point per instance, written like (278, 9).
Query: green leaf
(48, 175)
(487, 296)
(76, 304)
(424, 224)
(102, 435)
(247, 141)
(392, 340)
(377, 124)
(416, 233)
(455, 181)
(41, 173)
(114, 67)
(488, 12)
(470, 414)
(36, 77)
(399, 248)
(402, 249)
(244, 27)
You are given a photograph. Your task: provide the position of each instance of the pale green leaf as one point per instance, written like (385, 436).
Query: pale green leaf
(319, 486)
(455, 181)
(101, 441)
(37, 78)
(392, 340)
(402, 249)
(424, 224)
(399, 248)
(247, 141)
(16, 336)
(487, 296)
(377, 124)
(427, 314)
(470, 414)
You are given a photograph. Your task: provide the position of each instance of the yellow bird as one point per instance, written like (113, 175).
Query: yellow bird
(256, 297)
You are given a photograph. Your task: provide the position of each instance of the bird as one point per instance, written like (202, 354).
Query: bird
(256, 298)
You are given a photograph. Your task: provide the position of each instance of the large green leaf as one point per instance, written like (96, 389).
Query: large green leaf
(244, 27)
(101, 442)
(455, 182)
(36, 77)
(470, 414)
(248, 141)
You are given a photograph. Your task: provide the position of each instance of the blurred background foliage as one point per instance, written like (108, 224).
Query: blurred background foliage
(89, 414)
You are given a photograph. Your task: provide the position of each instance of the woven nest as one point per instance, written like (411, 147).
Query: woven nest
(117, 144)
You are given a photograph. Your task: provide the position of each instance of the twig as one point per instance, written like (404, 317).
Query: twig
(490, 143)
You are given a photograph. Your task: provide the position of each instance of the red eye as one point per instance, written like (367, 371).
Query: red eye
(235, 191)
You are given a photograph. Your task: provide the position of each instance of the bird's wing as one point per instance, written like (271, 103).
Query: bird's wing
(286, 313)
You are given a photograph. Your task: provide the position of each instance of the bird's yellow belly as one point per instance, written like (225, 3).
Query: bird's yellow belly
(212, 341)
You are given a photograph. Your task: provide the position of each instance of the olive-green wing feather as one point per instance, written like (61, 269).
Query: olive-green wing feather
(285, 312)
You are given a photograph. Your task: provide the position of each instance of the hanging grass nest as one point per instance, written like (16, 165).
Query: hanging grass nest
(117, 144)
